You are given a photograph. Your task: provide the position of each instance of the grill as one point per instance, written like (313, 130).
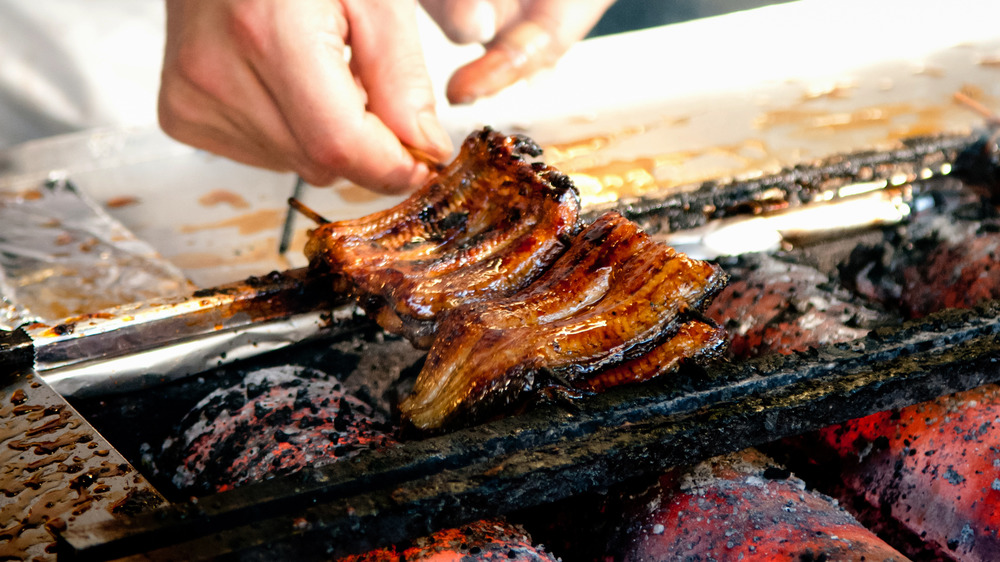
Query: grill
(551, 454)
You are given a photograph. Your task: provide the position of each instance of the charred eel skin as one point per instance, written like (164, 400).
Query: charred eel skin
(616, 308)
(484, 227)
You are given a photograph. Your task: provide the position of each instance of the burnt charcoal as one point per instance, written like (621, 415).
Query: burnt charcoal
(728, 508)
(923, 477)
(492, 539)
(285, 418)
(775, 305)
(943, 261)
(979, 165)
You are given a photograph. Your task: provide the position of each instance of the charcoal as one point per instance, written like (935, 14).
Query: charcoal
(940, 260)
(275, 421)
(775, 305)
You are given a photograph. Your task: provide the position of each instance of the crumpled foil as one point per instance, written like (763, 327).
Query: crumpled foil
(11, 313)
(61, 256)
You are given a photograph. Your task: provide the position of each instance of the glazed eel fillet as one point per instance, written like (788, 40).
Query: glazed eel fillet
(617, 307)
(485, 226)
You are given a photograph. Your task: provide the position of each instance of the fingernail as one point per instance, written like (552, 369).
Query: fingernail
(483, 21)
(483, 77)
(434, 133)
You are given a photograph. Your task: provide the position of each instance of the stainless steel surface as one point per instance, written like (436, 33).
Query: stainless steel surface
(57, 470)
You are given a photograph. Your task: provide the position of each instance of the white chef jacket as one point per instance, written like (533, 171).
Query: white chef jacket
(68, 65)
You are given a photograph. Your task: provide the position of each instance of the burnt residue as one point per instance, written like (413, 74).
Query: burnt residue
(63, 329)
(275, 295)
(789, 187)
(978, 164)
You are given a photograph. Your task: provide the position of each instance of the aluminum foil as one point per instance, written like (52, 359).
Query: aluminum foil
(61, 255)
(147, 343)
(155, 361)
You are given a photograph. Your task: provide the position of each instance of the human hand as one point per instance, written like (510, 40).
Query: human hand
(521, 37)
(267, 83)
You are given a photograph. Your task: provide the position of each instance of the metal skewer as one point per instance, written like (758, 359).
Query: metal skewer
(289, 227)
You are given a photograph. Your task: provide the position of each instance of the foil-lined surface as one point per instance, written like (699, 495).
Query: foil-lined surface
(11, 313)
(150, 342)
(61, 255)
(155, 360)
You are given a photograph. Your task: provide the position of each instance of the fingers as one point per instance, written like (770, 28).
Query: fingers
(518, 52)
(267, 83)
(305, 68)
(199, 83)
(464, 21)
(387, 54)
(541, 34)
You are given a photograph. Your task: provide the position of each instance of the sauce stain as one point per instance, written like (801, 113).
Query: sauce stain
(559, 152)
(262, 250)
(250, 223)
(819, 120)
(121, 201)
(224, 196)
(930, 71)
(355, 194)
(991, 61)
(834, 92)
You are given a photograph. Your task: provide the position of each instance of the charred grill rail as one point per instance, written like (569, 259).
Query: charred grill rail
(552, 453)
(797, 184)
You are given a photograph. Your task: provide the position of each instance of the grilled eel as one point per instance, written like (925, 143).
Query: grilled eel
(485, 226)
(617, 307)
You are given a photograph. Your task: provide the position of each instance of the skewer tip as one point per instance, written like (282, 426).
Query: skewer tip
(975, 105)
(306, 211)
(423, 157)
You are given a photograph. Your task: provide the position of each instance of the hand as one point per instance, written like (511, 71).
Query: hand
(267, 83)
(521, 37)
